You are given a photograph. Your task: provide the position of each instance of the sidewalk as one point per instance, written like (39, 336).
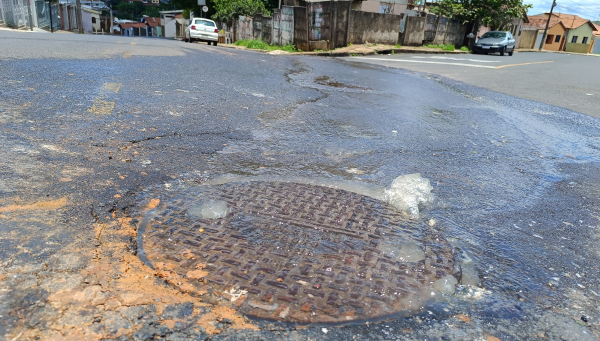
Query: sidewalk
(358, 50)
(561, 52)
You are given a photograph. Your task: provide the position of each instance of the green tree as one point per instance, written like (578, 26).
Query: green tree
(493, 13)
(151, 12)
(225, 10)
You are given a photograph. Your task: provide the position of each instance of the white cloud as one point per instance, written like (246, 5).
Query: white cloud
(589, 9)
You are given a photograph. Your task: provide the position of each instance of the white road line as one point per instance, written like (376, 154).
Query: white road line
(425, 62)
(465, 59)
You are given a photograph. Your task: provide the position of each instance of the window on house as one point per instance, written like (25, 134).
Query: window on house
(557, 40)
(585, 40)
(574, 39)
(93, 20)
(549, 39)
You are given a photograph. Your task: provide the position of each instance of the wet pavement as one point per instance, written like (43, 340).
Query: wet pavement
(100, 135)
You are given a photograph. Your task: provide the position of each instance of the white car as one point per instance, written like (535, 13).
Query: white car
(202, 30)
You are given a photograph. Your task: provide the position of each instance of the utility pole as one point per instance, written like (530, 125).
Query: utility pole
(79, 18)
(547, 24)
(50, 12)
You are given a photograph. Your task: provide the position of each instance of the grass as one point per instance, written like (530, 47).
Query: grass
(445, 47)
(464, 48)
(397, 46)
(261, 45)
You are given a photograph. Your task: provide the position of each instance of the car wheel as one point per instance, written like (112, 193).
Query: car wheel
(208, 42)
(502, 51)
(190, 40)
(214, 43)
(511, 52)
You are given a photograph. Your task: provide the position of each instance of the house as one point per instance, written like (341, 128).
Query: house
(385, 7)
(577, 36)
(173, 23)
(556, 36)
(133, 29)
(154, 28)
(90, 19)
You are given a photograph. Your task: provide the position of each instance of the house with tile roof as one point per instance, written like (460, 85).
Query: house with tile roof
(595, 49)
(154, 28)
(578, 33)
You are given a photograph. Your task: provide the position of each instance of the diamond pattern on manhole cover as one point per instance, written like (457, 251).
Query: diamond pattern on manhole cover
(296, 252)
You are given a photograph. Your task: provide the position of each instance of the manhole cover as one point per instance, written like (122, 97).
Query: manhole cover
(296, 252)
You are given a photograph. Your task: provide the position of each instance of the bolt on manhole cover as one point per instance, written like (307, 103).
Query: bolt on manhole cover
(298, 253)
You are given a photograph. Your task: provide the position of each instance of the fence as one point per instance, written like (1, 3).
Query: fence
(14, 13)
(328, 25)
(43, 15)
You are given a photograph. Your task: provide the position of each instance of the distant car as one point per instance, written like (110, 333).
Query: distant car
(202, 30)
(495, 41)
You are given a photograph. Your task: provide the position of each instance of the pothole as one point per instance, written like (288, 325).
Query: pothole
(297, 253)
(325, 80)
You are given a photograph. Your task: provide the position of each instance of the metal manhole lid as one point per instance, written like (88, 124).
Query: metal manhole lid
(297, 252)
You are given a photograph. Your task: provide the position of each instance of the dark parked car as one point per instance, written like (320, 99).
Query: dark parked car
(495, 41)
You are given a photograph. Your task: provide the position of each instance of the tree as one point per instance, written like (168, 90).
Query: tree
(225, 10)
(493, 13)
(151, 12)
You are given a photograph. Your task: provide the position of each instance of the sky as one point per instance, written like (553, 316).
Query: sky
(588, 9)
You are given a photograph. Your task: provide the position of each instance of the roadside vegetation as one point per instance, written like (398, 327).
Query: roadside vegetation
(256, 44)
(445, 47)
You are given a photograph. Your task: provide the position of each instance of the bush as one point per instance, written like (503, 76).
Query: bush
(445, 47)
(464, 48)
(261, 45)
(398, 46)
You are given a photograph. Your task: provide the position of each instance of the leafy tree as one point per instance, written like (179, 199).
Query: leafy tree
(225, 10)
(493, 13)
(151, 12)
(186, 14)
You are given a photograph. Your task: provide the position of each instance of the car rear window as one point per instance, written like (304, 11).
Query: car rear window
(494, 35)
(204, 22)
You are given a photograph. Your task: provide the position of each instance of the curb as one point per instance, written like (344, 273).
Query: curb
(559, 52)
(352, 54)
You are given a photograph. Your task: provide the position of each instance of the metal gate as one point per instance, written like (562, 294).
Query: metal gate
(14, 14)
(43, 15)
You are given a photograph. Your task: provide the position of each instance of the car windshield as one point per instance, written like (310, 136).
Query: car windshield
(494, 35)
(204, 22)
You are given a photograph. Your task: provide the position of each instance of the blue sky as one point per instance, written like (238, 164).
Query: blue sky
(589, 9)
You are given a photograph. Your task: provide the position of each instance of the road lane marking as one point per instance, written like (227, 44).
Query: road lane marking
(119, 42)
(127, 54)
(549, 61)
(102, 107)
(471, 60)
(114, 87)
(426, 62)
(133, 43)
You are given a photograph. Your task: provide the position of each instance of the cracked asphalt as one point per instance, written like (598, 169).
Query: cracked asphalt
(93, 126)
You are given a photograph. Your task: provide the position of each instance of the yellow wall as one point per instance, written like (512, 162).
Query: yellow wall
(554, 31)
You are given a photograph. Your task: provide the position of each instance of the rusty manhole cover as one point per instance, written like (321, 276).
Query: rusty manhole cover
(297, 253)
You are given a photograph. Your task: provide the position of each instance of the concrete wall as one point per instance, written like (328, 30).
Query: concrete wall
(577, 48)
(319, 19)
(414, 33)
(374, 28)
(267, 29)
(442, 31)
(301, 28)
(257, 27)
(245, 29)
(283, 26)
(170, 29)
(528, 38)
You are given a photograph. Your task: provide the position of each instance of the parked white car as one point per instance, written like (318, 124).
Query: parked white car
(202, 30)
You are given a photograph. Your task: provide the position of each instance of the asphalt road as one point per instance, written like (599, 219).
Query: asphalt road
(96, 129)
(568, 81)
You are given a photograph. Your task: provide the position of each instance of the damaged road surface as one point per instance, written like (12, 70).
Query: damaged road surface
(170, 191)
